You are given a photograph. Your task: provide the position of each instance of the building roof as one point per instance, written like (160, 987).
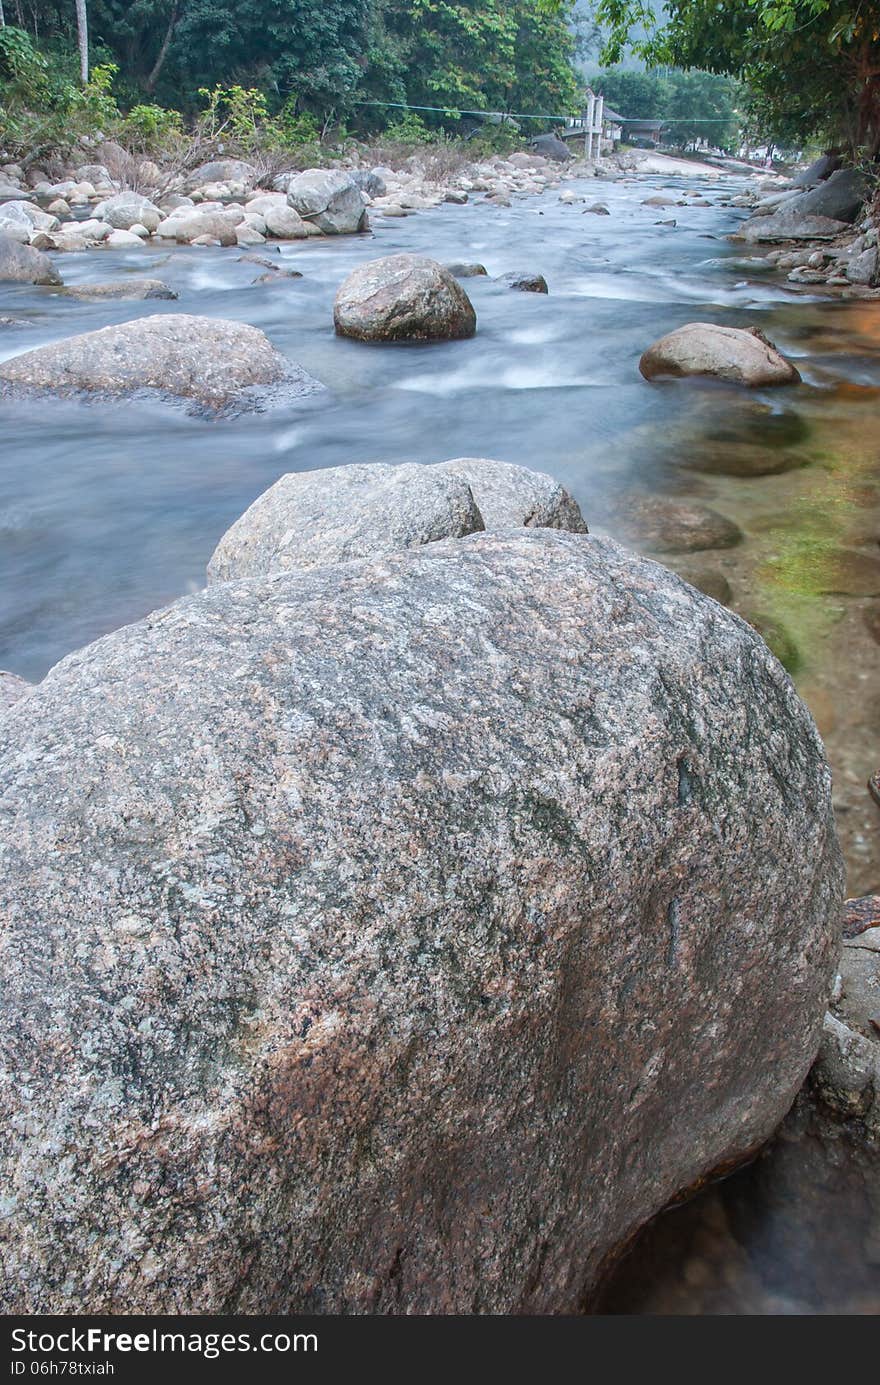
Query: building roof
(643, 124)
(613, 116)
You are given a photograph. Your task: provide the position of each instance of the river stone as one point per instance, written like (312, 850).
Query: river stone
(524, 281)
(847, 572)
(864, 268)
(709, 581)
(11, 689)
(839, 196)
(787, 224)
(127, 209)
(403, 298)
(189, 224)
(223, 171)
(551, 147)
(872, 620)
(330, 199)
(208, 360)
(311, 518)
(744, 356)
(741, 459)
(821, 168)
(22, 264)
(508, 495)
(122, 288)
(398, 938)
(672, 526)
(466, 271)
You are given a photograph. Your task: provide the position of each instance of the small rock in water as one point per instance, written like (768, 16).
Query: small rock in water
(122, 288)
(777, 638)
(526, 283)
(872, 620)
(208, 360)
(671, 526)
(729, 353)
(709, 581)
(467, 271)
(403, 298)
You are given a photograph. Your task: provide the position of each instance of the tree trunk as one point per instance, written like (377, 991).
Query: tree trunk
(163, 51)
(2, 16)
(82, 34)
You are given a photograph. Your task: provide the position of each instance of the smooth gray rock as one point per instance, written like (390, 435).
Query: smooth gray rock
(127, 209)
(223, 171)
(508, 495)
(312, 518)
(789, 224)
(122, 288)
(551, 147)
(22, 264)
(403, 298)
(215, 363)
(741, 355)
(821, 168)
(329, 199)
(398, 938)
(839, 197)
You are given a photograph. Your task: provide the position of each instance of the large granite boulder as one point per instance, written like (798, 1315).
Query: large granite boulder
(22, 264)
(329, 199)
(311, 518)
(216, 364)
(742, 355)
(316, 517)
(398, 937)
(403, 298)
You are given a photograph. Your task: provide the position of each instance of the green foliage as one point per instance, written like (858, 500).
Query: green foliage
(811, 65)
(699, 106)
(281, 74)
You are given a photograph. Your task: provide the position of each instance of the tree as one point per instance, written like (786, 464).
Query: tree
(82, 37)
(813, 66)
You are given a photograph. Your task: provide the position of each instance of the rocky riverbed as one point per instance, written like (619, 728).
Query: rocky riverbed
(173, 378)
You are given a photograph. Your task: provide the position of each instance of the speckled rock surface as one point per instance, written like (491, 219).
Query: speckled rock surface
(399, 937)
(330, 516)
(328, 198)
(403, 298)
(11, 689)
(22, 264)
(211, 361)
(509, 495)
(310, 518)
(743, 356)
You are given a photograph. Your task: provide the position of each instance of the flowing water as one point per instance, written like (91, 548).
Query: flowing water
(107, 511)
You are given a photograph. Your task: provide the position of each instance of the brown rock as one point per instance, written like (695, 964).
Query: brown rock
(730, 353)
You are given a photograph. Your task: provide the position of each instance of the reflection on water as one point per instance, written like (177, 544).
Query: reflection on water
(109, 511)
